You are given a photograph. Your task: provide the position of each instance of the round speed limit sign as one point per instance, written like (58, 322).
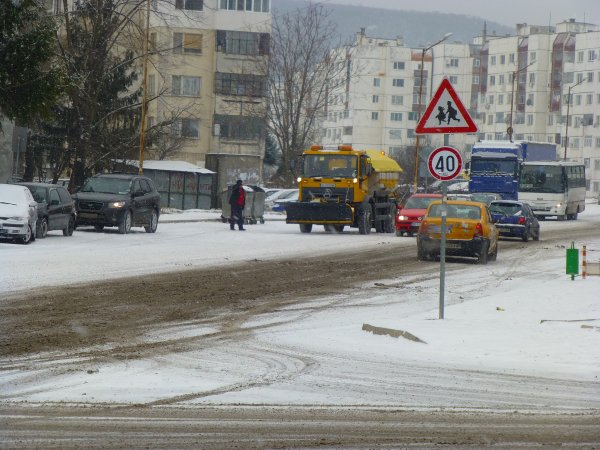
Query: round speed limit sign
(445, 163)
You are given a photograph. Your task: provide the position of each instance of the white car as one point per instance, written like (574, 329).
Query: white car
(282, 193)
(18, 213)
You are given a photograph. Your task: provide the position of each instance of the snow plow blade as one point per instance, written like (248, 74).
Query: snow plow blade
(319, 212)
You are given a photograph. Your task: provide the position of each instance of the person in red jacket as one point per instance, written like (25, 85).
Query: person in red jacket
(237, 200)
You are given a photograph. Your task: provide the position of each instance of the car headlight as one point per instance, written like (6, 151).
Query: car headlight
(19, 219)
(402, 217)
(119, 204)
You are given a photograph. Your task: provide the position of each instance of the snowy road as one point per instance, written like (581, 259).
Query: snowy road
(251, 324)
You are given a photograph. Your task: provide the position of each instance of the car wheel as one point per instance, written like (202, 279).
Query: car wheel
(98, 227)
(398, 233)
(28, 236)
(364, 219)
(421, 254)
(525, 236)
(68, 231)
(153, 222)
(536, 235)
(494, 254)
(305, 227)
(125, 225)
(483, 255)
(42, 228)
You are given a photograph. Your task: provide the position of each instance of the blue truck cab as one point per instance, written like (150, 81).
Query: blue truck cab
(495, 165)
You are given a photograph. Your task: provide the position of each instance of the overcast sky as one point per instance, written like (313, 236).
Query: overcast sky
(507, 12)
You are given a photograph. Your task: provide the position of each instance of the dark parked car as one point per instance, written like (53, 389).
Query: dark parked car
(515, 219)
(56, 209)
(118, 200)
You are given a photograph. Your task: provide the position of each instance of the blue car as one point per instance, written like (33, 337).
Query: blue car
(515, 219)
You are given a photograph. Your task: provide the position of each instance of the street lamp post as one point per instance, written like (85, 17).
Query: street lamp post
(509, 131)
(423, 51)
(567, 118)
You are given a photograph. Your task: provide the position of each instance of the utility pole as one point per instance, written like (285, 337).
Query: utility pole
(145, 91)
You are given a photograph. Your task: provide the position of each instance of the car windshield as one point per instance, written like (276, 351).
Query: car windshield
(107, 185)
(419, 202)
(483, 198)
(506, 209)
(456, 211)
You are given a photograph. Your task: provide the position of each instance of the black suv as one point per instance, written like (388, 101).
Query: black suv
(118, 200)
(56, 209)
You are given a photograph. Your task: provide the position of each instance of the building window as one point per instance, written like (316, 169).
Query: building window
(152, 84)
(398, 82)
(240, 84)
(502, 59)
(492, 80)
(453, 79)
(412, 115)
(188, 128)
(191, 5)
(397, 100)
(239, 127)
(347, 131)
(399, 65)
(376, 82)
(374, 115)
(501, 79)
(396, 116)
(592, 55)
(395, 134)
(511, 58)
(376, 99)
(185, 86)
(476, 62)
(529, 119)
(475, 79)
(493, 60)
(590, 77)
(245, 5)
(501, 99)
(243, 43)
(580, 57)
(587, 141)
(453, 62)
(187, 43)
(395, 152)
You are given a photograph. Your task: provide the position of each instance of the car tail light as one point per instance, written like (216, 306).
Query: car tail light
(521, 220)
(478, 230)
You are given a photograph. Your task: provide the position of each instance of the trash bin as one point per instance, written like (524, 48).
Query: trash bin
(255, 204)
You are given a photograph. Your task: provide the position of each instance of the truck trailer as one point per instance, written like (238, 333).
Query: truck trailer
(495, 165)
(343, 186)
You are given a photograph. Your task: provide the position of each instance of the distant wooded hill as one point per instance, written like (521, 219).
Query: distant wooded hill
(418, 29)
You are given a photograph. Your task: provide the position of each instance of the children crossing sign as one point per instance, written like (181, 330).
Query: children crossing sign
(445, 113)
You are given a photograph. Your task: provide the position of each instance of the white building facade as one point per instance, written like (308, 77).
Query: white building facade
(515, 87)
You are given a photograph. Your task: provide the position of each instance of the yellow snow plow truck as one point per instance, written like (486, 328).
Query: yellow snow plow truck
(343, 186)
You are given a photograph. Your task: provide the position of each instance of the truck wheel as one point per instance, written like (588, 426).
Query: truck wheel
(338, 228)
(390, 222)
(364, 219)
(329, 228)
(306, 227)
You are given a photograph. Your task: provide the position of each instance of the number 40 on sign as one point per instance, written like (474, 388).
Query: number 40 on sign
(445, 163)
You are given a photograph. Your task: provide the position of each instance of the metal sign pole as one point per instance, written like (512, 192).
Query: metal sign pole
(443, 251)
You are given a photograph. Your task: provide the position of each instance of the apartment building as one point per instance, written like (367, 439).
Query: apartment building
(206, 74)
(379, 106)
(541, 84)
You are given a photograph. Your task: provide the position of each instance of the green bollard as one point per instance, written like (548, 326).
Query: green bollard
(572, 261)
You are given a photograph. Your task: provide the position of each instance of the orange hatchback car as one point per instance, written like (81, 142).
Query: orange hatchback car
(470, 231)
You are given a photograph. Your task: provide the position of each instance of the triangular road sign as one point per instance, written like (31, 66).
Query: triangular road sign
(445, 113)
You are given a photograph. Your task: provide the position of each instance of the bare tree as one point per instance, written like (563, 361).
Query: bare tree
(302, 70)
